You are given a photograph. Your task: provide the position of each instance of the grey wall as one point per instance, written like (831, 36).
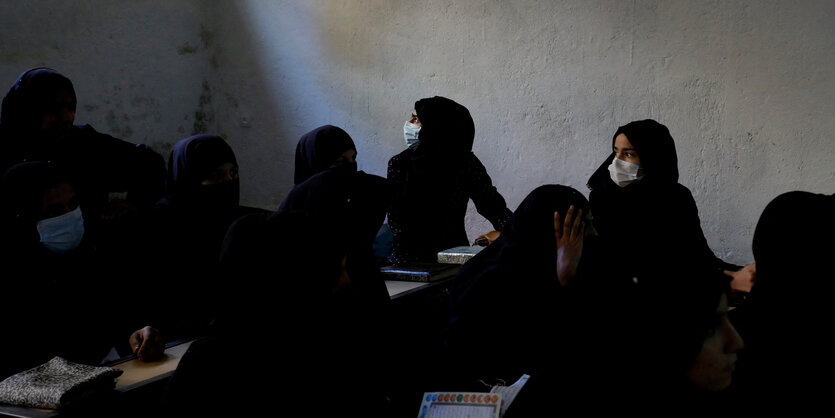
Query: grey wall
(747, 88)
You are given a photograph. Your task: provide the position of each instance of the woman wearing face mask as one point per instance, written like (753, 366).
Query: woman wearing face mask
(641, 211)
(189, 223)
(114, 179)
(433, 181)
(56, 279)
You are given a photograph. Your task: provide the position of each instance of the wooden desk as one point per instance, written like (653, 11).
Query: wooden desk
(135, 375)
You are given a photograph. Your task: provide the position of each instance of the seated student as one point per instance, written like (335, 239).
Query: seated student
(655, 347)
(641, 211)
(432, 182)
(322, 148)
(58, 287)
(327, 147)
(186, 229)
(508, 303)
(114, 179)
(787, 360)
(305, 273)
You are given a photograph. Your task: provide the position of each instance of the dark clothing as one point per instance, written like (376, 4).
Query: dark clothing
(55, 303)
(654, 218)
(427, 213)
(185, 232)
(291, 292)
(97, 164)
(508, 298)
(784, 319)
(433, 181)
(58, 304)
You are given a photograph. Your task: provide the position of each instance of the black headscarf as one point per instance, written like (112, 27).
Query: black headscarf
(318, 149)
(192, 160)
(446, 135)
(446, 126)
(789, 254)
(352, 204)
(786, 318)
(527, 243)
(512, 285)
(661, 213)
(31, 97)
(656, 147)
(78, 150)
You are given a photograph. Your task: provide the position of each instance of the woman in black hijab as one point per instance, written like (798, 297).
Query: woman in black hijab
(58, 284)
(651, 345)
(786, 318)
(113, 178)
(433, 181)
(322, 148)
(202, 200)
(641, 211)
(508, 303)
(306, 282)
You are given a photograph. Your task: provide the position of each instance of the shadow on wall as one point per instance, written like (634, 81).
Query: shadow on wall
(241, 99)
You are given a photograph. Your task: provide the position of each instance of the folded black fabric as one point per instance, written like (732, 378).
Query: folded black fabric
(57, 384)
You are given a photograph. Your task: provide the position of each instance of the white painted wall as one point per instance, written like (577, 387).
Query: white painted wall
(747, 88)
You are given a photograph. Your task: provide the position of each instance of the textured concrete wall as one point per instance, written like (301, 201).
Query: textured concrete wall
(747, 88)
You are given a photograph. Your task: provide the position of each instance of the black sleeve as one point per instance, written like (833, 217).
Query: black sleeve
(127, 167)
(690, 225)
(488, 202)
(396, 178)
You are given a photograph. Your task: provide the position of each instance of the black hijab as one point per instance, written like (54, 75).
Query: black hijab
(655, 146)
(31, 97)
(788, 254)
(527, 243)
(447, 126)
(352, 205)
(318, 149)
(446, 135)
(191, 161)
(512, 285)
(661, 213)
(785, 320)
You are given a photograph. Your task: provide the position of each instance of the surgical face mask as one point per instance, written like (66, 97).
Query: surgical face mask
(624, 173)
(410, 133)
(62, 233)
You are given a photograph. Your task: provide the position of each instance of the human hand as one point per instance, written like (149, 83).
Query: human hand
(487, 239)
(117, 208)
(569, 237)
(147, 344)
(743, 279)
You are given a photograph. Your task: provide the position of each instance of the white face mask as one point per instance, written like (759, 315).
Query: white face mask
(410, 133)
(624, 173)
(62, 233)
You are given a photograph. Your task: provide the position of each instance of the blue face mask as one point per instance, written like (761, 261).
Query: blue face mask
(62, 233)
(410, 133)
